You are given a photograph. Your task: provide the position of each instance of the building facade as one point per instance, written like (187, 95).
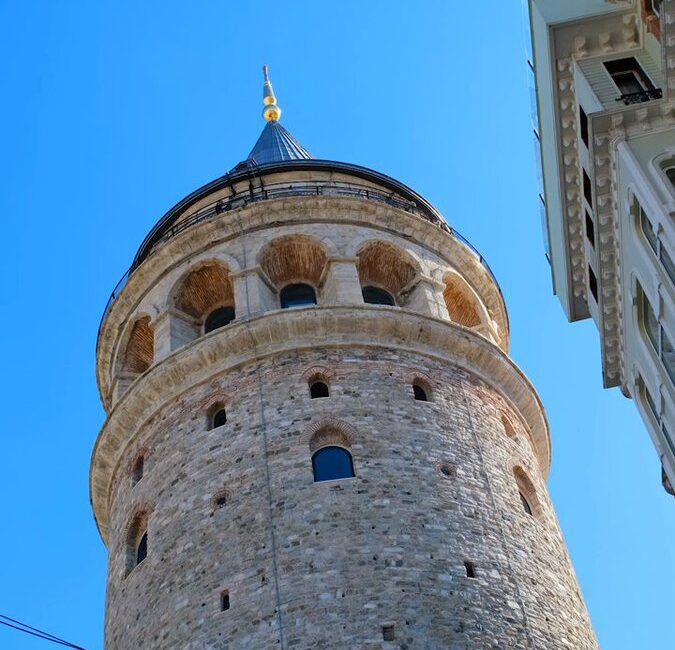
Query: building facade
(605, 127)
(315, 437)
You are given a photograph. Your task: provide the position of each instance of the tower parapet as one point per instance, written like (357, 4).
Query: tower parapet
(315, 434)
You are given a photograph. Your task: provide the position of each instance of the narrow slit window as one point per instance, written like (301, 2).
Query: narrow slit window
(389, 632)
(526, 504)
(593, 283)
(142, 548)
(224, 601)
(588, 189)
(470, 569)
(583, 125)
(590, 229)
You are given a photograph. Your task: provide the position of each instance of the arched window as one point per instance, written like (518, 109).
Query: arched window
(377, 296)
(207, 295)
(318, 389)
(137, 471)
(142, 548)
(330, 463)
(527, 494)
(218, 318)
(420, 393)
(137, 541)
(297, 295)
(219, 418)
(526, 504)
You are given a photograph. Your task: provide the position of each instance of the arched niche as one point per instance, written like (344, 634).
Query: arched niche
(384, 266)
(461, 301)
(294, 261)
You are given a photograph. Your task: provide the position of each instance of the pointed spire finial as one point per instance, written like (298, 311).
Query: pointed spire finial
(271, 112)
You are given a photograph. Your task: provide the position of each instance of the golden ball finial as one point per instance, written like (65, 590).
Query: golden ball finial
(271, 112)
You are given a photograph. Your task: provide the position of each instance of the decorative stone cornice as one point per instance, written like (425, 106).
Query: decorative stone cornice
(609, 129)
(584, 39)
(277, 332)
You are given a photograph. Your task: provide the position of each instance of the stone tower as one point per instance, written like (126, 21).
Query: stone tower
(315, 437)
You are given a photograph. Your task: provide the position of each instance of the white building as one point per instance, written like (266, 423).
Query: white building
(604, 72)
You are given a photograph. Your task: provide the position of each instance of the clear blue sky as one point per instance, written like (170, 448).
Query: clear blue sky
(113, 111)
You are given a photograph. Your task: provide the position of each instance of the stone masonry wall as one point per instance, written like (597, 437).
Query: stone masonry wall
(326, 565)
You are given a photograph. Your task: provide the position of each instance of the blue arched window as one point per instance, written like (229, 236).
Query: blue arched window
(377, 296)
(330, 463)
(297, 295)
(218, 318)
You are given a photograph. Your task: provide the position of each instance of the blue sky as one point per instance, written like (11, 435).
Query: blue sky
(113, 111)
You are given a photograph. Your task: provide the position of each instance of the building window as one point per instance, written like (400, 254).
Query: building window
(667, 262)
(330, 463)
(632, 82)
(526, 504)
(137, 471)
(297, 295)
(224, 600)
(655, 243)
(318, 389)
(142, 548)
(657, 336)
(588, 189)
(593, 283)
(219, 418)
(590, 229)
(527, 494)
(583, 126)
(648, 230)
(377, 296)
(470, 568)
(218, 318)
(137, 541)
(419, 393)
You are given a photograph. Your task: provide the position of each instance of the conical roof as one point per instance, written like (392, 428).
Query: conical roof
(276, 144)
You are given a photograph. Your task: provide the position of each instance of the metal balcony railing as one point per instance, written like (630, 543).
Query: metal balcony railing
(640, 96)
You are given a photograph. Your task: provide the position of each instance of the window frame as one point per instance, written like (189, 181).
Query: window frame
(324, 448)
(645, 311)
(302, 305)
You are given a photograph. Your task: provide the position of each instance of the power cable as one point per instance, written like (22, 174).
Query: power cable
(33, 631)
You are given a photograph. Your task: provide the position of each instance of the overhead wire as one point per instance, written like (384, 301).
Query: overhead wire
(36, 632)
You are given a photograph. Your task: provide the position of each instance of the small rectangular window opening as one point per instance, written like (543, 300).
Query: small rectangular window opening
(583, 125)
(593, 283)
(588, 190)
(590, 229)
(470, 569)
(389, 632)
(224, 601)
